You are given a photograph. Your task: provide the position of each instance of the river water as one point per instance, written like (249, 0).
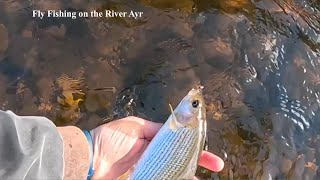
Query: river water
(258, 60)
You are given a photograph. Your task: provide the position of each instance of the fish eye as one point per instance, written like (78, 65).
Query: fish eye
(195, 103)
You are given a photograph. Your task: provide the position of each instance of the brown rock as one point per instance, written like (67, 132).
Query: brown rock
(79, 4)
(184, 29)
(4, 38)
(50, 5)
(57, 32)
(45, 86)
(218, 49)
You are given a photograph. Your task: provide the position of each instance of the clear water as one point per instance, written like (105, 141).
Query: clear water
(258, 60)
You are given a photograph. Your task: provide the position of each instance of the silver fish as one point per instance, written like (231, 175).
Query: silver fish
(175, 150)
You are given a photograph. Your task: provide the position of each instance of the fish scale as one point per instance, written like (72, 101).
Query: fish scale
(163, 163)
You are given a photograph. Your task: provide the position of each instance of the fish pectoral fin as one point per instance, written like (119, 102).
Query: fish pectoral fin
(174, 124)
(126, 175)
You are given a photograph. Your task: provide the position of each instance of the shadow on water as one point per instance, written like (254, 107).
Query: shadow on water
(258, 61)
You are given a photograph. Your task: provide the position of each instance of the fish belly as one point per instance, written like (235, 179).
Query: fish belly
(168, 156)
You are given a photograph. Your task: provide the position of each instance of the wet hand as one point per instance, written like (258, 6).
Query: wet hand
(119, 144)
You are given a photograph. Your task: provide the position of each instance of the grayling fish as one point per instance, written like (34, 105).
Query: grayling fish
(175, 150)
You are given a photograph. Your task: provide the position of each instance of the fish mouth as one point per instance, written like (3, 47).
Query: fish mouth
(197, 91)
(199, 88)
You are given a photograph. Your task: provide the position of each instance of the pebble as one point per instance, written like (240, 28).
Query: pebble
(297, 168)
(201, 18)
(27, 34)
(286, 165)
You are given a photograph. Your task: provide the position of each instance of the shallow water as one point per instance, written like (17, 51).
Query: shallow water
(258, 60)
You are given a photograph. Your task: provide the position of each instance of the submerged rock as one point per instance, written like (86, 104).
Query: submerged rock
(57, 32)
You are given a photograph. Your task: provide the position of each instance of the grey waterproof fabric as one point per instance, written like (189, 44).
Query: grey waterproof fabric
(30, 148)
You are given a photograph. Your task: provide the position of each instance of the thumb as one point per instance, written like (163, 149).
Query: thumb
(148, 128)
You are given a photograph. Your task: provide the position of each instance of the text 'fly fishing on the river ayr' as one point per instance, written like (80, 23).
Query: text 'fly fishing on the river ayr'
(94, 13)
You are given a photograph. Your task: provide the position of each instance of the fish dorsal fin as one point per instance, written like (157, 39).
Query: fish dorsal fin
(174, 124)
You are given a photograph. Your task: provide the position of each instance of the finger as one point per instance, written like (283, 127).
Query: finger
(195, 178)
(136, 151)
(211, 161)
(148, 129)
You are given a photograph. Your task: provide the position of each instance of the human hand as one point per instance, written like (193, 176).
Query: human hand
(119, 144)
